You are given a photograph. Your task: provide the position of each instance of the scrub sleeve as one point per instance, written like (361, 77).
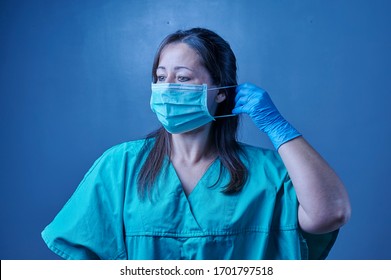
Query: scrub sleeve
(90, 225)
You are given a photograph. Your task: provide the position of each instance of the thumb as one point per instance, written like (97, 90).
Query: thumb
(237, 110)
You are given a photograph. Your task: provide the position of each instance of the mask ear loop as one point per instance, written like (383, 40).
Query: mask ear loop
(221, 87)
(223, 116)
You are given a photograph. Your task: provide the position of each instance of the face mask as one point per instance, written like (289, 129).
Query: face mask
(182, 107)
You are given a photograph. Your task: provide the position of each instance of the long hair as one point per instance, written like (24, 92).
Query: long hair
(219, 59)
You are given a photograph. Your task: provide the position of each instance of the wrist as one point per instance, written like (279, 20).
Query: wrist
(281, 132)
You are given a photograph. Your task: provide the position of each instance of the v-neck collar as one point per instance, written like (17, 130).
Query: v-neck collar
(208, 206)
(207, 174)
(206, 209)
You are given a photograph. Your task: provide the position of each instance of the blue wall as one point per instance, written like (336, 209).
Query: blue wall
(75, 78)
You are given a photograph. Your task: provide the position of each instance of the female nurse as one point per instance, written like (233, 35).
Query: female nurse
(190, 190)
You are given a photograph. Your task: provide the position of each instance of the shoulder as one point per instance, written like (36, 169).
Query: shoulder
(132, 147)
(121, 155)
(127, 149)
(258, 153)
(267, 160)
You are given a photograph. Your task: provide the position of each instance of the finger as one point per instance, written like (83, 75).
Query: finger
(241, 101)
(248, 87)
(241, 93)
(241, 109)
(245, 86)
(237, 110)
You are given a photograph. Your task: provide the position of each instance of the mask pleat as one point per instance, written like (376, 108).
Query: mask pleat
(180, 107)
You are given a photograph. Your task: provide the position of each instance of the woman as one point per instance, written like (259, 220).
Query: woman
(190, 190)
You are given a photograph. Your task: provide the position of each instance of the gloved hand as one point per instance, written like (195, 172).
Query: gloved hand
(256, 102)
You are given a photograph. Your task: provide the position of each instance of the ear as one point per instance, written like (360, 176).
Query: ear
(220, 97)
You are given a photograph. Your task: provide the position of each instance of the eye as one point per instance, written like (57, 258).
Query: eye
(183, 79)
(161, 78)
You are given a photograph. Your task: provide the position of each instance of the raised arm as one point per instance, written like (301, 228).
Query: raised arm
(323, 201)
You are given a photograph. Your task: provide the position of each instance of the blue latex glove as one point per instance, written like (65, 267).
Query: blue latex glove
(256, 102)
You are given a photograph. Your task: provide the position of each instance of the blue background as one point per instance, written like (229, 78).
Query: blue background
(75, 80)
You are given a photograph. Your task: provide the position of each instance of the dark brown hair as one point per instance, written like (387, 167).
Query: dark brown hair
(219, 59)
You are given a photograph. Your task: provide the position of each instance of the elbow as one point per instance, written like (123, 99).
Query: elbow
(342, 208)
(340, 211)
(342, 215)
(337, 217)
(327, 220)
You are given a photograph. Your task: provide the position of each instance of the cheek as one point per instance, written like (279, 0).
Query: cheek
(212, 104)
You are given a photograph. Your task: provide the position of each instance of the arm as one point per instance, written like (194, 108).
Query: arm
(324, 203)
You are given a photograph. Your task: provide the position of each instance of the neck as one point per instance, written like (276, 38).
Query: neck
(193, 146)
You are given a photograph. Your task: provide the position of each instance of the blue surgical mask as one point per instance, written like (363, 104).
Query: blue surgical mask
(182, 107)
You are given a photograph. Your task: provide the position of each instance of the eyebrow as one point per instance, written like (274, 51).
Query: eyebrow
(175, 68)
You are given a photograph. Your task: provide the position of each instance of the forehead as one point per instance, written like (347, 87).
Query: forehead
(175, 54)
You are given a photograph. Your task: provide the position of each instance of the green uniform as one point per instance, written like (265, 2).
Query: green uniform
(106, 219)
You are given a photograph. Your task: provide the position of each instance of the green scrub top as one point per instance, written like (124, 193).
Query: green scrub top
(106, 219)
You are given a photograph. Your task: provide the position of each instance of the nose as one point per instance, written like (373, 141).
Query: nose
(170, 78)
